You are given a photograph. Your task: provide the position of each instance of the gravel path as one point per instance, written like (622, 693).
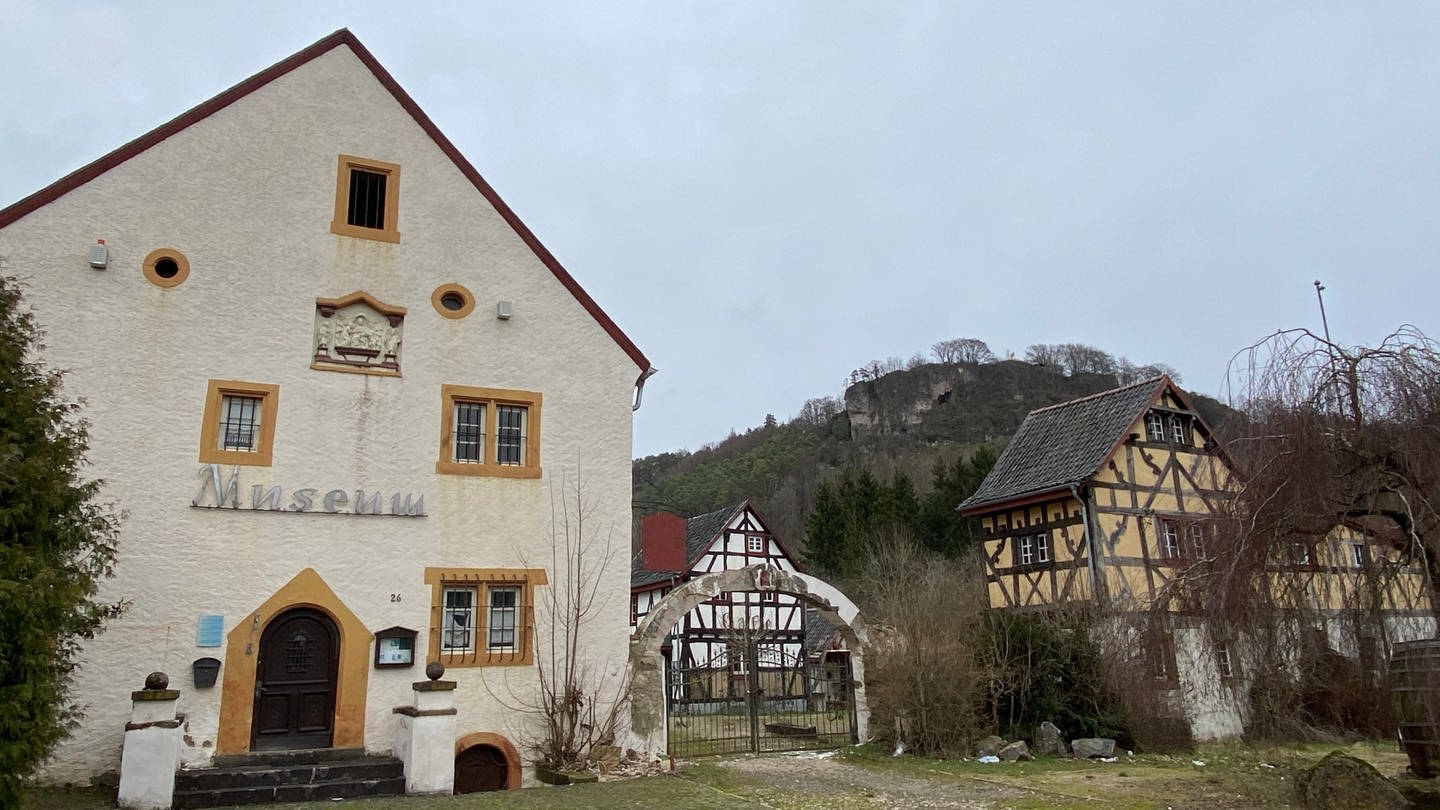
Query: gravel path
(813, 780)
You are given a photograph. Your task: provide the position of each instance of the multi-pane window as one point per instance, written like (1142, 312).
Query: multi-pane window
(469, 432)
(504, 604)
(490, 431)
(1155, 427)
(1032, 549)
(238, 426)
(1179, 429)
(754, 544)
(1196, 532)
(240, 423)
(510, 435)
(1174, 428)
(1169, 540)
(457, 628)
(485, 616)
(1223, 664)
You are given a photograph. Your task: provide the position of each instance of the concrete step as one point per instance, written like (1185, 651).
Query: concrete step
(286, 778)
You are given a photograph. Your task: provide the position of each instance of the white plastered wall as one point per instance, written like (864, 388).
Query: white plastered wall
(247, 195)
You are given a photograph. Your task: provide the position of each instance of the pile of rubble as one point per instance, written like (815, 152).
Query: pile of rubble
(1048, 743)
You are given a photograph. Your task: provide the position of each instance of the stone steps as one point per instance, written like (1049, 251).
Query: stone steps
(289, 776)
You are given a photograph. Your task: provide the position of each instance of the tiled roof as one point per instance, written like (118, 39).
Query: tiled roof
(1064, 444)
(700, 532)
(818, 632)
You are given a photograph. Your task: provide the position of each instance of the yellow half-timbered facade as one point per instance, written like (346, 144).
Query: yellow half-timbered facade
(1112, 500)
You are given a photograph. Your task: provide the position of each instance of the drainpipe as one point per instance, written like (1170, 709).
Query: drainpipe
(1095, 586)
(640, 385)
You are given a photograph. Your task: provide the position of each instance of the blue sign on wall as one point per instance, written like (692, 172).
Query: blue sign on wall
(210, 630)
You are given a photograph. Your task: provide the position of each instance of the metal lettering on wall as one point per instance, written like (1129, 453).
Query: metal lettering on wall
(217, 491)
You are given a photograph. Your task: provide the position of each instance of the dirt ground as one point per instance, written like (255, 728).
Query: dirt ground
(803, 780)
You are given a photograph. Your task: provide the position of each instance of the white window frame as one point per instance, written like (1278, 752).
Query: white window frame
(1042, 548)
(1169, 539)
(1223, 664)
(1360, 554)
(502, 618)
(754, 544)
(1196, 531)
(1155, 426)
(1177, 429)
(450, 613)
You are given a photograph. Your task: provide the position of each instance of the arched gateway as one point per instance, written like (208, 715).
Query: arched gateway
(647, 662)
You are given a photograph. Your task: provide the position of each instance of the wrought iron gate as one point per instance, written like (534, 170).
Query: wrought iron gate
(755, 699)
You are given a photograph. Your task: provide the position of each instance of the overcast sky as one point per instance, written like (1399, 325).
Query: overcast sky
(767, 195)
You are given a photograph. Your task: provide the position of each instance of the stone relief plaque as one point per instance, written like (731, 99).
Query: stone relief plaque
(357, 333)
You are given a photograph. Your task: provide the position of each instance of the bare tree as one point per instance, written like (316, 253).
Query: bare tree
(1046, 354)
(1127, 372)
(1337, 449)
(577, 703)
(1079, 358)
(817, 411)
(962, 350)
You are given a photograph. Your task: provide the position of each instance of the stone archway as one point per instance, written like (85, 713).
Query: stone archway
(647, 671)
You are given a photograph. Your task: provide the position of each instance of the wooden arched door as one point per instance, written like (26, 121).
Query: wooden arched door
(295, 678)
(481, 767)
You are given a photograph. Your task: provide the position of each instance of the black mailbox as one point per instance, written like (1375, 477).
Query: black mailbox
(205, 670)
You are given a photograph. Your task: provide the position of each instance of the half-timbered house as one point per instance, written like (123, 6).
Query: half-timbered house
(735, 630)
(1105, 500)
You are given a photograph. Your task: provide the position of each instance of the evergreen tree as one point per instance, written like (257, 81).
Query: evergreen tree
(56, 544)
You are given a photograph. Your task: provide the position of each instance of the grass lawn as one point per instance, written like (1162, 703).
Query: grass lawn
(670, 792)
(1232, 777)
(1214, 776)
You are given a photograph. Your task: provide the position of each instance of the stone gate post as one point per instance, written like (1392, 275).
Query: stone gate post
(152, 746)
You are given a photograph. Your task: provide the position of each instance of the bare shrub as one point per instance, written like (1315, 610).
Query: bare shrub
(923, 681)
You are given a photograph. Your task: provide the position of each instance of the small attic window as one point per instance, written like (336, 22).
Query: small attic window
(367, 199)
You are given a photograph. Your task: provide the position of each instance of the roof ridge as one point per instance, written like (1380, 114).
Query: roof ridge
(1108, 392)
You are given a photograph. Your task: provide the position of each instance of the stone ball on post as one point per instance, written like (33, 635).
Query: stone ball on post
(157, 680)
(434, 670)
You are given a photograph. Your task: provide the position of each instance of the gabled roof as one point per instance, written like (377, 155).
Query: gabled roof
(1067, 443)
(344, 38)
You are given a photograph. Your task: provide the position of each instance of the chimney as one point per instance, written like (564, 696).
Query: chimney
(662, 542)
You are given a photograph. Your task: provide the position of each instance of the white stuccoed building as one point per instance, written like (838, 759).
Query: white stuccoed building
(336, 385)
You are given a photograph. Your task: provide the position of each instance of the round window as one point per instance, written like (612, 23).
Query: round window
(166, 267)
(452, 301)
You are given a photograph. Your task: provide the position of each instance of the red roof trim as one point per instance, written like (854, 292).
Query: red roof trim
(1050, 493)
(85, 174)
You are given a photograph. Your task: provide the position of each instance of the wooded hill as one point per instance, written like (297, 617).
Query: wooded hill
(891, 421)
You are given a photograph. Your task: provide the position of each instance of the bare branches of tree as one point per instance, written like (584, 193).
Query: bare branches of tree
(962, 350)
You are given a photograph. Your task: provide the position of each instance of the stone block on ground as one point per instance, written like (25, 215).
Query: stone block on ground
(1088, 747)
(989, 746)
(1048, 741)
(1016, 751)
(1342, 782)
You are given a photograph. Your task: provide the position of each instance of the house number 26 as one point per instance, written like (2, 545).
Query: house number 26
(395, 597)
